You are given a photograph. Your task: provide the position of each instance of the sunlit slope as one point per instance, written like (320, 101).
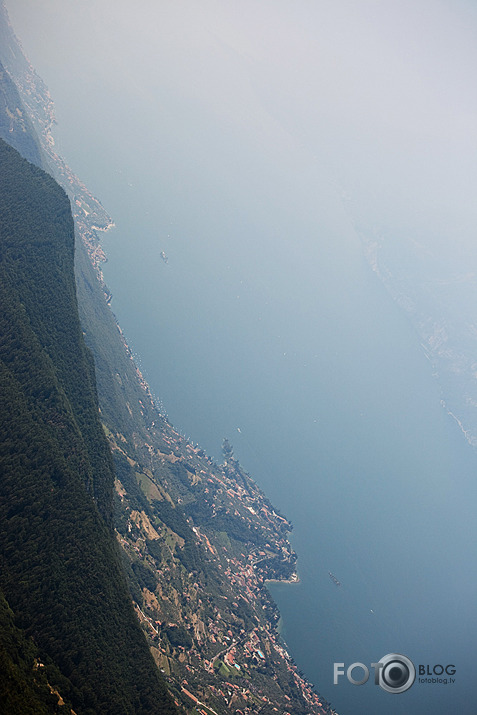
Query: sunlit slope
(59, 567)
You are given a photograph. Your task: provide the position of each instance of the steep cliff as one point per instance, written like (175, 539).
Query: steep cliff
(60, 569)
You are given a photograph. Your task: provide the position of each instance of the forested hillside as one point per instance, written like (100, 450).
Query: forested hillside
(68, 612)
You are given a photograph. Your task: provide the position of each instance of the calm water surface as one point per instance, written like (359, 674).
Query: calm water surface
(301, 359)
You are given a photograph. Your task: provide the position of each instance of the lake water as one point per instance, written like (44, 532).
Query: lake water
(267, 326)
(322, 388)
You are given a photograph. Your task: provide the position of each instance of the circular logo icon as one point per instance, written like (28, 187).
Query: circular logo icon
(397, 673)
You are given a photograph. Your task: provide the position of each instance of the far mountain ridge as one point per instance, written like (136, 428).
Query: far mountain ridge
(15, 126)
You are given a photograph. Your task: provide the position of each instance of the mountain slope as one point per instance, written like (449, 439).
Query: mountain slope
(15, 126)
(198, 539)
(60, 570)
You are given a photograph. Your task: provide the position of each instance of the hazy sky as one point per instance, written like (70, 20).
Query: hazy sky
(382, 91)
(241, 112)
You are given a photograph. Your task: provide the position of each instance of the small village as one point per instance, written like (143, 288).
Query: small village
(231, 655)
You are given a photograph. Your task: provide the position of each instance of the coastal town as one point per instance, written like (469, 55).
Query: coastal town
(211, 622)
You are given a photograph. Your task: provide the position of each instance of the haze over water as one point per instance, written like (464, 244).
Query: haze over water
(226, 135)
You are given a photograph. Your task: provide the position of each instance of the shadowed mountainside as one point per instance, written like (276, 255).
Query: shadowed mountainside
(60, 569)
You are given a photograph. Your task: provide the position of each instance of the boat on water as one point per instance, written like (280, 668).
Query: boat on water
(164, 257)
(334, 579)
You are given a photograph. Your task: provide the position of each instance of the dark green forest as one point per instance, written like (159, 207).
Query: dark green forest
(65, 601)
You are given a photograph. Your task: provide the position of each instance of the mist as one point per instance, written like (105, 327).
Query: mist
(377, 95)
(309, 169)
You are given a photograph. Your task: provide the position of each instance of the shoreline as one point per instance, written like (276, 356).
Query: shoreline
(293, 579)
